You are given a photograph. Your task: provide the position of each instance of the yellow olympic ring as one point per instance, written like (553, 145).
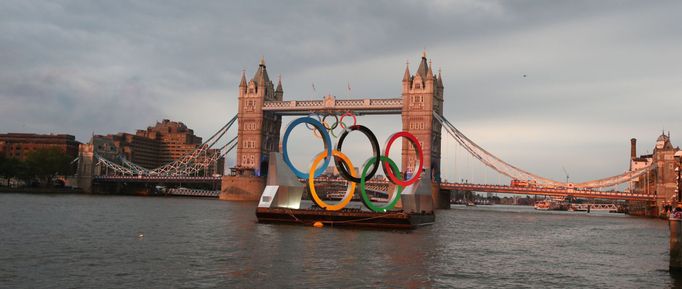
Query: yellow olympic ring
(349, 192)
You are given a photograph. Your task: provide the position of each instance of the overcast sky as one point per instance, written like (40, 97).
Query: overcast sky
(597, 72)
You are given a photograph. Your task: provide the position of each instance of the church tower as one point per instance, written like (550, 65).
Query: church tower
(258, 130)
(422, 94)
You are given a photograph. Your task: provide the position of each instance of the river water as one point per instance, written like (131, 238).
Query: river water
(80, 241)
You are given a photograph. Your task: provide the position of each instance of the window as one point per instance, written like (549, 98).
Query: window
(248, 160)
(417, 125)
(250, 125)
(250, 105)
(416, 100)
(249, 144)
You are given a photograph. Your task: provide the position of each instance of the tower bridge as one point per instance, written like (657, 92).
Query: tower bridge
(653, 179)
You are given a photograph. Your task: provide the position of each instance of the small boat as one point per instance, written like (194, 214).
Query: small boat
(471, 204)
(543, 205)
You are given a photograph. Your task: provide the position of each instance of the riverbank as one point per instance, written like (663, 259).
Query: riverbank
(34, 190)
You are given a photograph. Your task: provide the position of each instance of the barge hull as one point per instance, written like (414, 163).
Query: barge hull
(389, 220)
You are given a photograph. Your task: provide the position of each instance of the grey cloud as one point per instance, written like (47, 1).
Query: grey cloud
(109, 66)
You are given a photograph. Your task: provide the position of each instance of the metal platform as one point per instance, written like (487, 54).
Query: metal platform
(345, 218)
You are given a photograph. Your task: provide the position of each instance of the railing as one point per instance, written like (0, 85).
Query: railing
(143, 179)
(331, 103)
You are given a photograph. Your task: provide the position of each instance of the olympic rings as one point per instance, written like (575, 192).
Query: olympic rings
(343, 125)
(326, 126)
(345, 167)
(311, 182)
(336, 123)
(311, 116)
(396, 194)
(327, 145)
(420, 154)
(343, 171)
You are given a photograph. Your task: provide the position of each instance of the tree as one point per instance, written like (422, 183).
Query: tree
(11, 168)
(47, 163)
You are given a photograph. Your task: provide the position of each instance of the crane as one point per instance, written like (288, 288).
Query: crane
(565, 172)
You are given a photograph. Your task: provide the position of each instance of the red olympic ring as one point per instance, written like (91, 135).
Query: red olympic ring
(420, 154)
(343, 125)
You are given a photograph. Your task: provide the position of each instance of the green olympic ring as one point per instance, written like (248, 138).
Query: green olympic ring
(396, 194)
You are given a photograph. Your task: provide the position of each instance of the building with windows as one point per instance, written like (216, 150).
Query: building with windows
(156, 146)
(664, 179)
(20, 145)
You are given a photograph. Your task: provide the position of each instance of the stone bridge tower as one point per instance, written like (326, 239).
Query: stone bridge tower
(665, 183)
(258, 130)
(422, 93)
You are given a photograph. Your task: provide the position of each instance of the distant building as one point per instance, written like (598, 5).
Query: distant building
(19, 145)
(156, 146)
(662, 181)
(138, 149)
(174, 139)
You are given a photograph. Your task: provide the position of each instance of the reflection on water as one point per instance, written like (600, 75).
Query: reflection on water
(93, 241)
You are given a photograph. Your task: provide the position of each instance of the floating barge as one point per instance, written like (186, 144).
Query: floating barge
(346, 217)
(281, 199)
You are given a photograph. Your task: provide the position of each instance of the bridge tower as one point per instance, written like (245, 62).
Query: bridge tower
(666, 177)
(422, 94)
(258, 130)
(86, 167)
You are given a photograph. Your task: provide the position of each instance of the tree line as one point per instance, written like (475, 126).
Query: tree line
(41, 166)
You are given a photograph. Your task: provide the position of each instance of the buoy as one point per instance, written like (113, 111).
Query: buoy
(318, 224)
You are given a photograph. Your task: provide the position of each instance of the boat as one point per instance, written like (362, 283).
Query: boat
(611, 208)
(543, 205)
(471, 204)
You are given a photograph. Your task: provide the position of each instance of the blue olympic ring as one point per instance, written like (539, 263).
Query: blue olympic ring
(327, 145)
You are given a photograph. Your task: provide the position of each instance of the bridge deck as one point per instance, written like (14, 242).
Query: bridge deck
(332, 105)
(549, 191)
(157, 179)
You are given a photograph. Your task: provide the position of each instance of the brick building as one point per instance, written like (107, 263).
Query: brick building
(19, 145)
(662, 180)
(174, 139)
(158, 145)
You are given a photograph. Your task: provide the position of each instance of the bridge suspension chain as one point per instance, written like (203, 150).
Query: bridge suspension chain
(101, 161)
(176, 166)
(514, 172)
(137, 169)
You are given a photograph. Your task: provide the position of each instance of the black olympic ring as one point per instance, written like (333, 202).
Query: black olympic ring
(324, 122)
(342, 167)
